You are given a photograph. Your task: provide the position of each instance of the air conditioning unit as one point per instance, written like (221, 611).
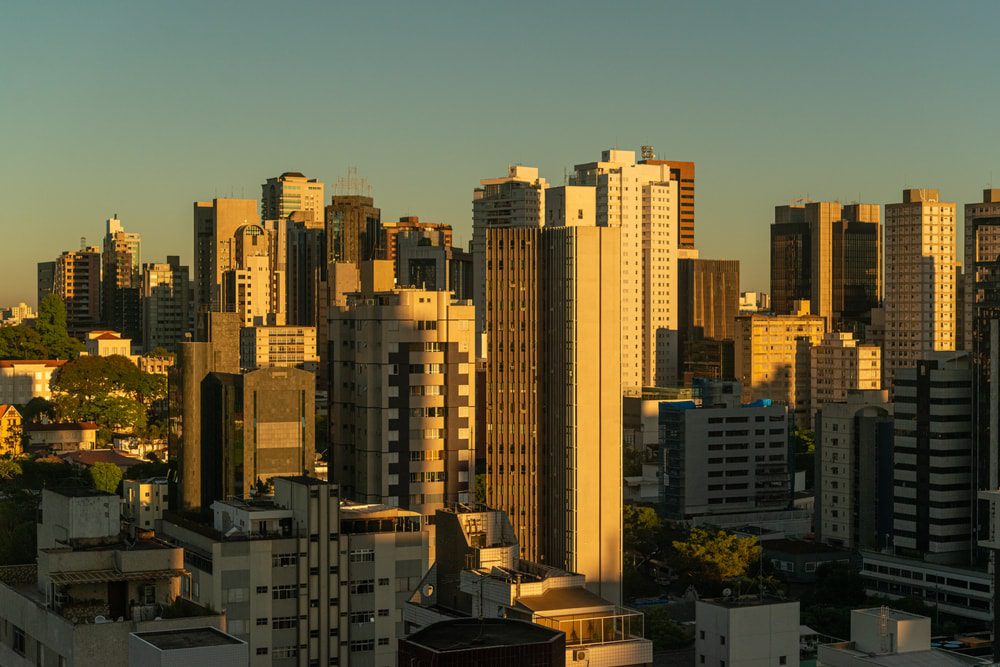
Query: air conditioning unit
(579, 655)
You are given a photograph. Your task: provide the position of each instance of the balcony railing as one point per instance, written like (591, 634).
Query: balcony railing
(583, 630)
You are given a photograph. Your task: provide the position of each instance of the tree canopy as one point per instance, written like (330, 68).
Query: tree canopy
(105, 477)
(46, 338)
(712, 557)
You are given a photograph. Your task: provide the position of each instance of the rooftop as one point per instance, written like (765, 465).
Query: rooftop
(572, 599)
(64, 426)
(801, 547)
(471, 634)
(737, 602)
(172, 640)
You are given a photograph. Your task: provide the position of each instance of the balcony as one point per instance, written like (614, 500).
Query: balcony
(594, 629)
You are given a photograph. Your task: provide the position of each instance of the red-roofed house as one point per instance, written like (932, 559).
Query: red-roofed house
(87, 458)
(23, 380)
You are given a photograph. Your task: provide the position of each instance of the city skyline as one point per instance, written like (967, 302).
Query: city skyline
(753, 124)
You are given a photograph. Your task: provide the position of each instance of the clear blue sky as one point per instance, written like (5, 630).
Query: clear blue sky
(141, 108)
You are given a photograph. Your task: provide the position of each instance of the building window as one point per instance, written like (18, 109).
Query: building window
(362, 645)
(261, 621)
(262, 650)
(262, 589)
(284, 592)
(362, 586)
(19, 641)
(362, 556)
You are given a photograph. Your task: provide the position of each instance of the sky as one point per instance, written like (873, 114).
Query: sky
(141, 108)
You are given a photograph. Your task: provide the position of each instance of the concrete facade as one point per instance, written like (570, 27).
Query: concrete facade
(167, 308)
(746, 632)
(840, 364)
(21, 381)
(287, 347)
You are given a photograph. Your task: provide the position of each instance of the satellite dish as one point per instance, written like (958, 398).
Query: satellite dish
(726, 592)
(428, 590)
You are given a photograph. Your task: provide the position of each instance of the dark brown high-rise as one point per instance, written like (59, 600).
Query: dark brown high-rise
(683, 172)
(353, 228)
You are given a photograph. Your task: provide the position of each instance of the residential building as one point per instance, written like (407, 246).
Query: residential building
(121, 306)
(91, 588)
(461, 274)
(62, 437)
(920, 254)
(23, 380)
(218, 351)
(194, 646)
(884, 636)
(515, 200)
(145, 501)
(306, 271)
(288, 346)
(251, 288)
(402, 395)
(478, 641)
(15, 315)
(854, 470)
(746, 631)
(932, 458)
(215, 225)
(723, 457)
(106, 343)
(707, 306)
(839, 364)
(10, 430)
(262, 427)
(353, 226)
(46, 280)
(478, 573)
(167, 308)
(78, 284)
(982, 248)
(755, 302)
(830, 255)
(642, 200)
(291, 192)
(429, 233)
(772, 356)
(683, 173)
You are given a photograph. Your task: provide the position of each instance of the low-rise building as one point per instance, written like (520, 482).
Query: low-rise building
(62, 437)
(91, 588)
(145, 501)
(796, 561)
(10, 430)
(154, 365)
(746, 632)
(106, 343)
(460, 642)
(23, 380)
(194, 646)
(264, 346)
(87, 458)
(16, 315)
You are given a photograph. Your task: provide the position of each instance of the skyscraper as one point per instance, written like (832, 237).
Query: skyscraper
(707, 305)
(642, 199)
(305, 272)
(291, 192)
(353, 227)
(982, 247)
(121, 307)
(215, 225)
(682, 172)
(166, 304)
(919, 279)
(78, 284)
(830, 255)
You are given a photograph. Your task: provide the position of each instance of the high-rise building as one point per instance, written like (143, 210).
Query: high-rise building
(251, 288)
(723, 457)
(707, 305)
(78, 284)
(432, 233)
(287, 346)
(683, 173)
(291, 192)
(854, 475)
(514, 200)
(166, 304)
(920, 247)
(353, 228)
(642, 199)
(262, 426)
(552, 327)
(830, 255)
(402, 395)
(215, 225)
(932, 446)
(772, 356)
(305, 272)
(46, 280)
(121, 306)
(840, 364)
(982, 247)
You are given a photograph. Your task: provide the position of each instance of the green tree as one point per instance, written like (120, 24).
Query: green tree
(9, 469)
(664, 632)
(51, 327)
(37, 408)
(481, 487)
(709, 558)
(21, 342)
(105, 477)
(836, 584)
(641, 526)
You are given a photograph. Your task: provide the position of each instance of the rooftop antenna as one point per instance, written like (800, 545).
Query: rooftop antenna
(352, 184)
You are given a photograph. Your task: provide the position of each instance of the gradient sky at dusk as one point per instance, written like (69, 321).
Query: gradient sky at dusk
(141, 108)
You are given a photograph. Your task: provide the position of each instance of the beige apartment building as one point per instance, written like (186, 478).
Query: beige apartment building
(215, 225)
(252, 288)
(78, 284)
(920, 309)
(264, 346)
(21, 381)
(772, 356)
(166, 304)
(643, 200)
(402, 395)
(283, 195)
(840, 364)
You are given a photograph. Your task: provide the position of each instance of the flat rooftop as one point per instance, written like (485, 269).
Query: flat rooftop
(172, 640)
(466, 634)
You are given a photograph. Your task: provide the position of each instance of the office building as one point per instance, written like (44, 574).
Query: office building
(772, 356)
(46, 280)
(78, 284)
(288, 346)
(982, 248)
(215, 226)
(23, 380)
(459, 642)
(515, 200)
(402, 392)
(262, 427)
(251, 288)
(854, 471)
(479, 574)
(723, 457)
(194, 646)
(91, 587)
(755, 302)
(920, 248)
(289, 193)
(353, 228)
(746, 632)
(932, 445)
(830, 255)
(839, 364)
(707, 306)
(306, 272)
(218, 351)
(429, 233)
(167, 308)
(121, 306)
(642, 200)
